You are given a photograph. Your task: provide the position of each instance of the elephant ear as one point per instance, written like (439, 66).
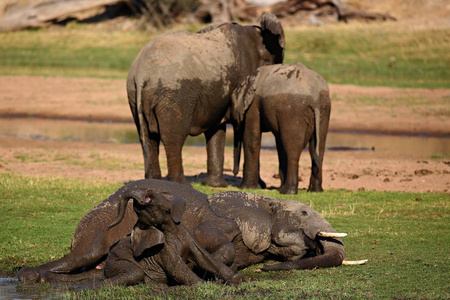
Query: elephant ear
(178, 208)
(254, 222)
(243, 96)
(143, 239)
(273, 36)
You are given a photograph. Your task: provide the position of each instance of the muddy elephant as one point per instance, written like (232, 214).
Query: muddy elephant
(158, 249)
(93, 239)
(239, 229)
(284, 230)
(293, 103)
(180, 84)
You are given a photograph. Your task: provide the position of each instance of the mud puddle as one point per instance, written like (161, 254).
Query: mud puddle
(10, 288)
(115, 132)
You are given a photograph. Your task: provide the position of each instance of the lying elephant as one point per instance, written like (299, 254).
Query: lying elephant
(293, 103)
(93, 239)
(239, 229)
(157, 250)
(285, 230)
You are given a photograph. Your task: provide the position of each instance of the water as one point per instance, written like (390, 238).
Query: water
(117, 132)
(10, 288)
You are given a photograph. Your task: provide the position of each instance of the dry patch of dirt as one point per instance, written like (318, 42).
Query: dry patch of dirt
(354, 107)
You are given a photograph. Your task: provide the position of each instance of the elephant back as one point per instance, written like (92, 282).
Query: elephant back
(252, 213)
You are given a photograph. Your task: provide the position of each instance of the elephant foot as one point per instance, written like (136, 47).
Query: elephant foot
(253, 184)
(29, 275)
(288, 189)
(180, 180)
(215, 181)
(315, 188)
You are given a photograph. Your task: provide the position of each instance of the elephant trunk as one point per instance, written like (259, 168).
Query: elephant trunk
(125, 196)
(333, 256)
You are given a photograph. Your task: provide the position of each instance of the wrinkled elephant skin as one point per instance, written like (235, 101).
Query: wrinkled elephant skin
(93, 239)
(180, 84)
(293, 103)
(285, 230)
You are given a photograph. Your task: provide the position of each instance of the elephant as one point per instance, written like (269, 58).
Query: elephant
(239, 229)
(284, 230)
(92, 239)
(180, 84)
(293, 103)
(157, 250)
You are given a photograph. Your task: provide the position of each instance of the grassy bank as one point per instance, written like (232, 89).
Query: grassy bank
(405, 236)
(364, 54)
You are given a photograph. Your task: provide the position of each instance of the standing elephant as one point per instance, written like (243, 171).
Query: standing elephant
(93, 239)
(285, 230)
(180, 84)
(293, 103)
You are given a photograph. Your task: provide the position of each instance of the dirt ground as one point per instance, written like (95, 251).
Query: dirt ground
(377, 109)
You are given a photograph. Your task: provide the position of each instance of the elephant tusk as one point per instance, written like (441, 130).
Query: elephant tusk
(354, 262)
(331, 234)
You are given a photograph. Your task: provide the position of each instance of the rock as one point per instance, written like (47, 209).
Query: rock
(423, 172)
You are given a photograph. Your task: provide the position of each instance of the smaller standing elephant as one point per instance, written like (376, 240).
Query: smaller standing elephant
(293, 103)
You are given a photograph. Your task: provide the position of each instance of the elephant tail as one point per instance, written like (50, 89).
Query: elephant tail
(140, 113)
(238, 132)
(317, 130)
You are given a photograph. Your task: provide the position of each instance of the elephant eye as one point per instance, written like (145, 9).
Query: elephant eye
(304, 212)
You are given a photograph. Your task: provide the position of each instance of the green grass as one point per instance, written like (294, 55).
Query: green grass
(405, 236)
(376, 54)
(364, 54)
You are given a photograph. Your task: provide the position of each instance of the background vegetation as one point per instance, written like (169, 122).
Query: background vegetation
(405, 236)
(376, 54)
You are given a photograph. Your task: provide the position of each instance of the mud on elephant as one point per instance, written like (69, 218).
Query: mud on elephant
(158, 249)
(293, 103)
(92, 239)
(283, 230)
(180, 84)
(238, 229)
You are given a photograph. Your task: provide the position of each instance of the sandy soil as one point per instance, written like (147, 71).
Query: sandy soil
(379, 109)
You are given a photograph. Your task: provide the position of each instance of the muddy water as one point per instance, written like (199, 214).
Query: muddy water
(10, 288)
(114, 132)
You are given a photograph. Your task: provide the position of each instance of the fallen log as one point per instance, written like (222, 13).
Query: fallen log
(43, 13)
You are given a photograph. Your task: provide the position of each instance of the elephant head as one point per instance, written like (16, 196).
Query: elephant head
(155, 211)
(290, 230)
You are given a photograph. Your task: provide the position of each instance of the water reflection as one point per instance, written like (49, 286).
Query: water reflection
(104, 132)
(10, 288)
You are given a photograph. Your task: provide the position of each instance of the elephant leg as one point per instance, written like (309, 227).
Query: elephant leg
(282, 159)
(69, 263)
(149, 141)
(252, 148)
(175, 162)
(216, 237)
(150, 149)
(215, 147)
(293, 147)
(92, 275)
(315, 181)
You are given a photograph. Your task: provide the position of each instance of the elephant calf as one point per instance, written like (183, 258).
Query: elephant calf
(158, 249)
(293, 103)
